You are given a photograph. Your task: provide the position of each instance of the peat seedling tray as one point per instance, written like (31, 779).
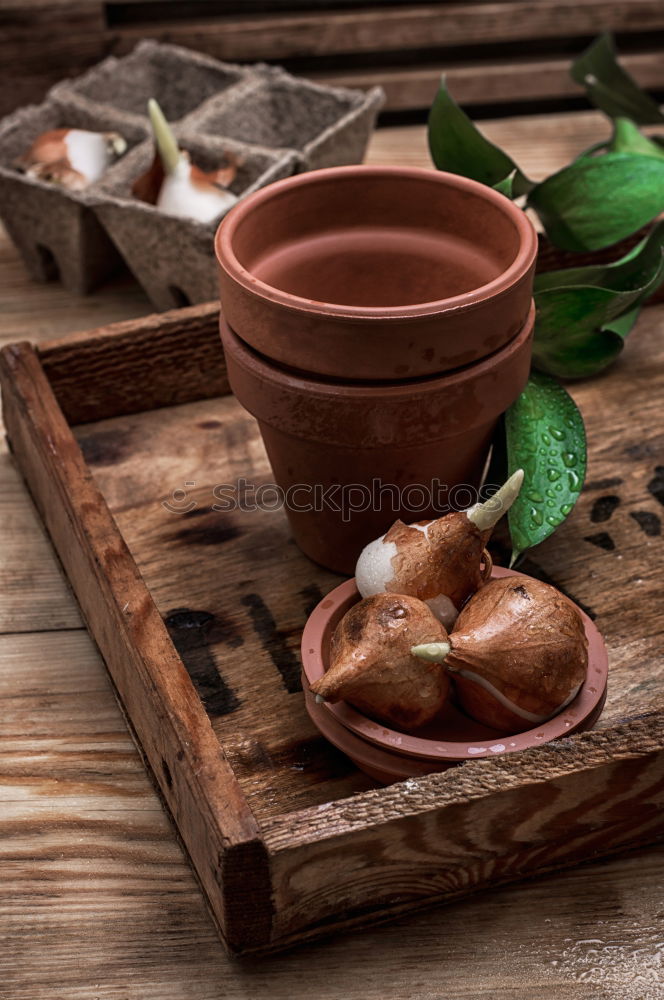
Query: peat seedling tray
(126, 436)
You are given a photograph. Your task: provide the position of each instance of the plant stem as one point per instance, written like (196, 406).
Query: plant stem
(163, 137)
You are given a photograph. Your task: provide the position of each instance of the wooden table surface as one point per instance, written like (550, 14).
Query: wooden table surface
(96, 897)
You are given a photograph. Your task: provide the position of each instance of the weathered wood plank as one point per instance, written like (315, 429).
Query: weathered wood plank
(425, 26)
(100, 893)
(223, 444)
(259, 718)
(465, 978)
(486, 81)
(34, 593)
(185, 757)
(120, 371)
(37, 312)
(43, 40)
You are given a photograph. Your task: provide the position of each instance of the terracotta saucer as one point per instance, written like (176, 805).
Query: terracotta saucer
(453, 737)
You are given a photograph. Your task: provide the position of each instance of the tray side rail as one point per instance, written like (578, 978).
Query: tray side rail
(213, 817)
(441, 837)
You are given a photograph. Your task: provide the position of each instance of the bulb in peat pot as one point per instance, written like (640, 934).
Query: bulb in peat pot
(74, 158)
(372, 667)
(518, 654)
(440, 561)
(176, 185)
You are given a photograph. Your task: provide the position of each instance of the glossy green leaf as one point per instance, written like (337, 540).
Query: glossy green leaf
(598, 200)
(585, 313)
(546, 438)
(458, 146)
(610, 88)
(628, 139)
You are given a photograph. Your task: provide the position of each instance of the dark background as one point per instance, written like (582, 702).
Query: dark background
(502, 57)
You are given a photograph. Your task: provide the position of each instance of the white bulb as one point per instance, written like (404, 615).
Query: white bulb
(179, 196)
(87, 153)
(374, 570)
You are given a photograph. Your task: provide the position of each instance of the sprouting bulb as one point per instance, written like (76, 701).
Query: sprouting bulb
(440, 561)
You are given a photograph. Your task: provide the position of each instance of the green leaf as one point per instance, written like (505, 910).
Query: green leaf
(458, 146)
(623, 325)
(585, 313)
(610, 88)
(598, 200)
(628, 139)
(546, 438)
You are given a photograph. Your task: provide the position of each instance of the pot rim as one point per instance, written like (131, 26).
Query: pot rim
(578, 715)
(324, 387)
(517, 270)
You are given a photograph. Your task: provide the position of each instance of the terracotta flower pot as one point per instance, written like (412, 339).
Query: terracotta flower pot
(376, 272)
(352, 457)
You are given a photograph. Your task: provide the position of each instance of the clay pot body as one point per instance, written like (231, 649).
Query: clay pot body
(376, 272)
(345, 453)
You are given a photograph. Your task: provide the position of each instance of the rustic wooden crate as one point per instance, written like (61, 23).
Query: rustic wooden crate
(198, 616)
(493, 53)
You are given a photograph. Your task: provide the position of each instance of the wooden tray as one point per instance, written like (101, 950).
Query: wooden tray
(198, 614)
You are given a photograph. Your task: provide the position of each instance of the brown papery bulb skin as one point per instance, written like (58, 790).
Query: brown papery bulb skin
(523, 639)
(372, 668)
(419, 568)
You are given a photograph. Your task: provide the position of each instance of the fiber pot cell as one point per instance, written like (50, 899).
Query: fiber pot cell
(338, 439)
(376, 272)
(56, 230)
(172, 257)
(329, 126)
(178, 78)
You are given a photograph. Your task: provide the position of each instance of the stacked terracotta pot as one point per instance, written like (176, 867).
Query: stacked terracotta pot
(376, 321)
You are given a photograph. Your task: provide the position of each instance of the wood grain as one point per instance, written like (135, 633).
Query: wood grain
(602, 790)
(98, 900)
(97, 896)
(175, 735)
(422, 26)
(90, 385)
(482, 81)
(43, 40)
(34, 593)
